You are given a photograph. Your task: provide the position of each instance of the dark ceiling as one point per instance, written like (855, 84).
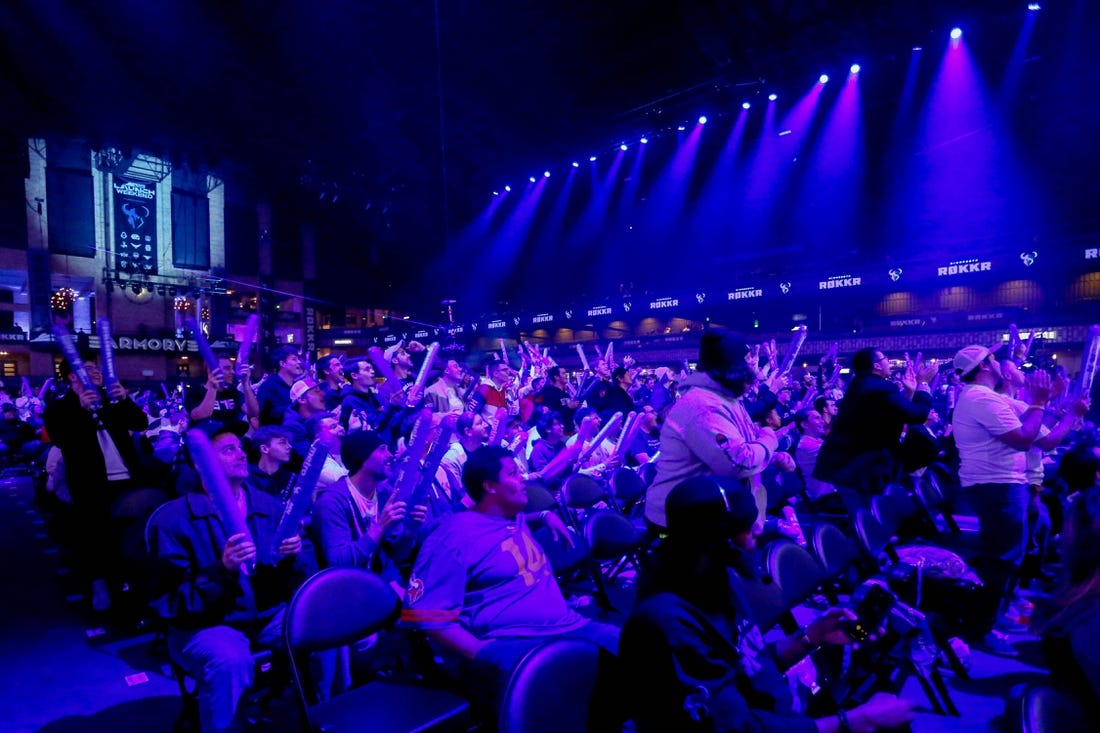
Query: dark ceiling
(357, 97)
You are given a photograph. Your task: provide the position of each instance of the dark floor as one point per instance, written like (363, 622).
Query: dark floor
(68, 669)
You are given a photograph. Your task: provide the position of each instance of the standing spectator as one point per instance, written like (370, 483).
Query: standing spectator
(860, 453)
(270, 473)
(274, 394)
(618, 397)
(92, 428)
(306, 400)
(227, 396)
(330, 373)
(443, 396)
(554, 397)
(711, 407)
(360, 408)
(992, 442)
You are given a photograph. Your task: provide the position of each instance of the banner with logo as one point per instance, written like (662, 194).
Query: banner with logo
(135, 226)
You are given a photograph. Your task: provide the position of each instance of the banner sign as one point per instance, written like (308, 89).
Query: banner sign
(135, 211)
(310, 314)
(964, 267)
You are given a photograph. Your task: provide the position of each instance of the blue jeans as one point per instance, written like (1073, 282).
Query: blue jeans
(1002, 514)
(219, 658)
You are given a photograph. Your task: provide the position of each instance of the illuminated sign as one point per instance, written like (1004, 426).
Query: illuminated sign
(742, 293)
(664, 303)
(124, 343)
(907, 322)
(496, 324)
(964, 267)
(543, 318)
(599, 310)
(840, 281)
(1092, 253)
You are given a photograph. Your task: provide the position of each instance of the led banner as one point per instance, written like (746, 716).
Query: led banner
(136, 226)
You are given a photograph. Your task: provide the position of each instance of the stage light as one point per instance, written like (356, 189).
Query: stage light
(772, 97)
(702, 119)
(644, 140)
(1034, 6)
(681, 128)
(507, 188)
(592, 159)
(576, 164)
(823, 79)
(854, 69)
(546, 174)
(496, 193)
(745, 105)
(622, 147)
(956, 34)
(531, 179)
(917, 48)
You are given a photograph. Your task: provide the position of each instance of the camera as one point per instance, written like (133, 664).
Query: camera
(871, 603)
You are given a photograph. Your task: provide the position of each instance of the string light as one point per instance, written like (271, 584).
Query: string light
(63, 299)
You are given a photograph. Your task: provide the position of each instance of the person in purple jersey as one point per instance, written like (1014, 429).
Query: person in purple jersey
(482, 588)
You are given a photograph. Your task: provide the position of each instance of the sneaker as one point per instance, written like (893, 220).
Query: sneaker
(997, 643)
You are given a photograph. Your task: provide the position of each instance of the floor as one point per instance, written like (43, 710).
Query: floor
(67, 669)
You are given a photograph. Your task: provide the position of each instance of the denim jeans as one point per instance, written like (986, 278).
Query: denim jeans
(1002, 514)
(219, 658)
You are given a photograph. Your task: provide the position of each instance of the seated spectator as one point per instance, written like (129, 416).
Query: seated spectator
(357, 520)
(695, 659)
(270, 473)
(551, 443)
(482, 588)
(471, 432)
(823, 496)
(601, 461)
(1072, 625)
(647, 441)
(326, 429)
(17, 439)
(216, 593)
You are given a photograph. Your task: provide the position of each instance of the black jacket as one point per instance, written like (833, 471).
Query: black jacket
(861, 449)
(74, 430)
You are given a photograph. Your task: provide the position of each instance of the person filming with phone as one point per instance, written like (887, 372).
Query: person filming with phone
(696, 658)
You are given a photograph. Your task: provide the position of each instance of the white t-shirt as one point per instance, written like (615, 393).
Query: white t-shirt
(980, 416)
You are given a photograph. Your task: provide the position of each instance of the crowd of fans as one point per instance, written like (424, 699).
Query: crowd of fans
(735, 454)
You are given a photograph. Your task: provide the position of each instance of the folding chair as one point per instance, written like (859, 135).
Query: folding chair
(335, 608)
